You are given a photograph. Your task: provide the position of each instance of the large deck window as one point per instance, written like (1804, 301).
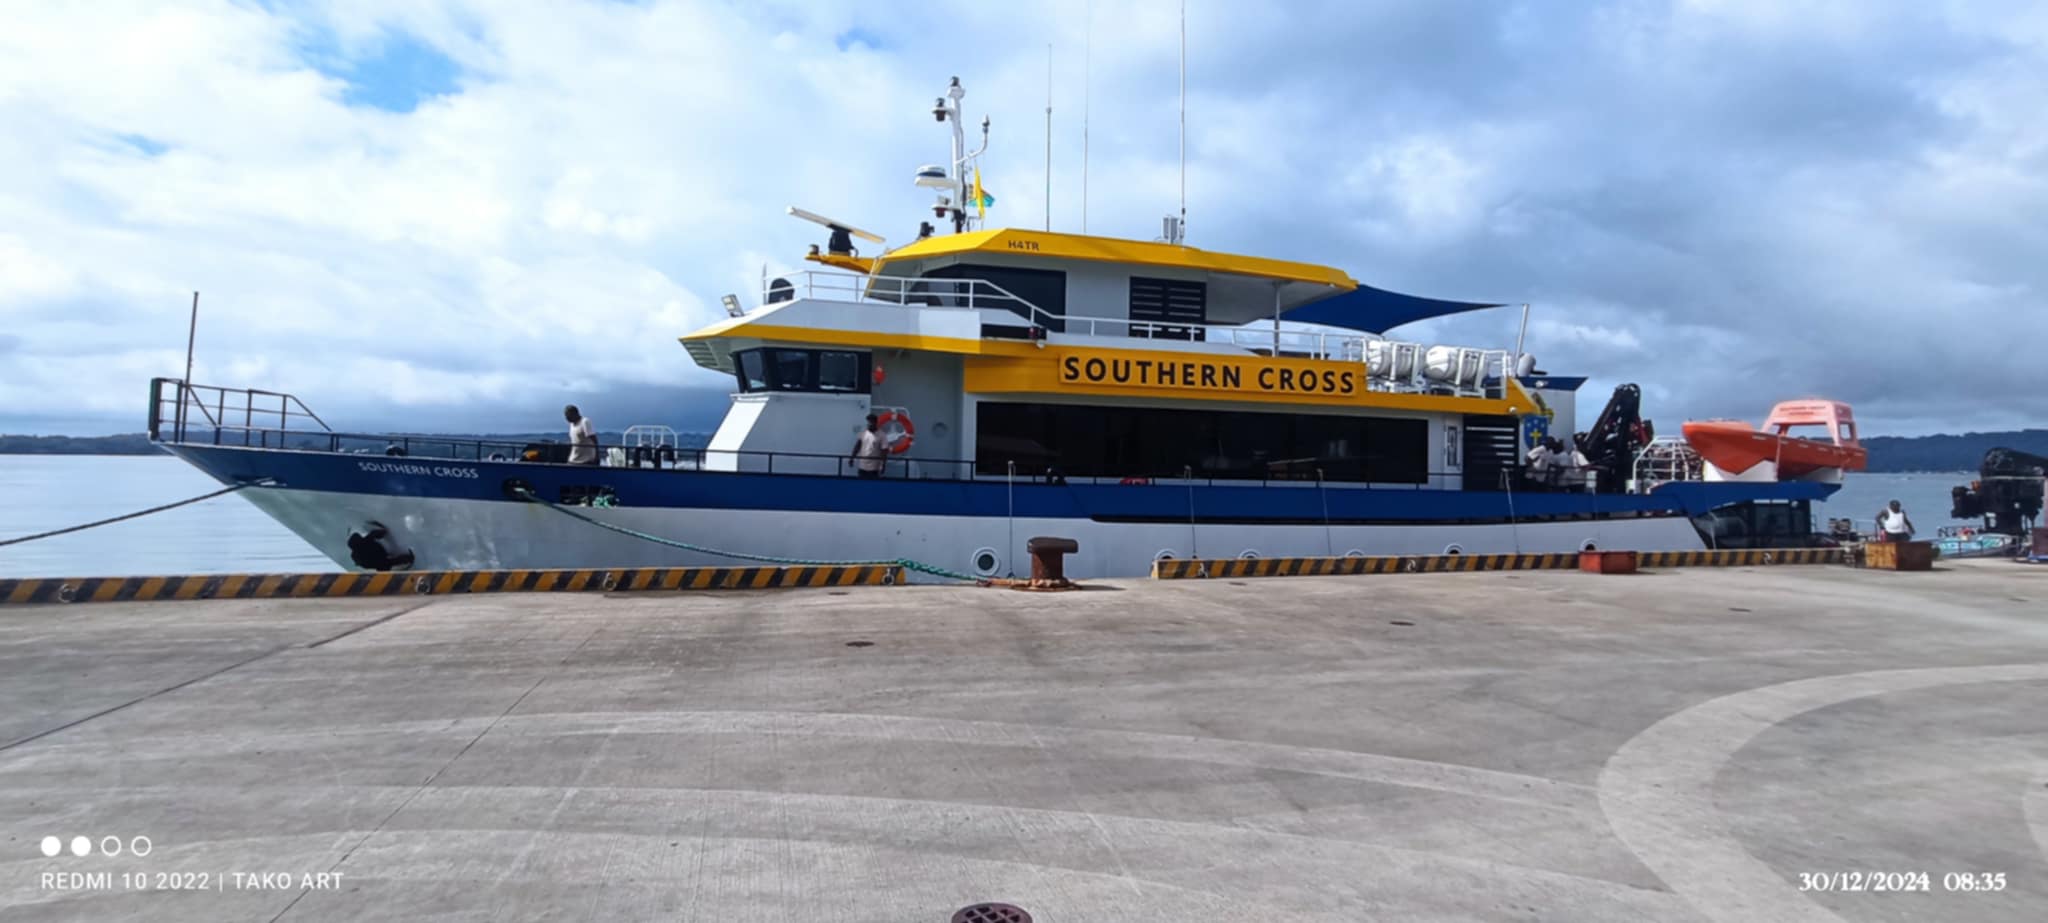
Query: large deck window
(1045, 288)
(1090, 441)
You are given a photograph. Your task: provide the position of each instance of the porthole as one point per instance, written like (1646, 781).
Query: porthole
(986, 562)
(1454, 548)
(1588, 545)
(1248, 555)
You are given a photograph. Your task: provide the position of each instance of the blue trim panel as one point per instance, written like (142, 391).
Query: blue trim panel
(468, 480)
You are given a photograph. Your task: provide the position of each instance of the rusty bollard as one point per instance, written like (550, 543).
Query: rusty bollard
(1048, 561)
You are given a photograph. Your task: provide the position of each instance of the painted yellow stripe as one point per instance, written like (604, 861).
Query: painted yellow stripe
(150, 588)
(23, 590)
(107, 589)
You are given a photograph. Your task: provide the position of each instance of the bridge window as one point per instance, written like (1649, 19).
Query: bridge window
(820, 370)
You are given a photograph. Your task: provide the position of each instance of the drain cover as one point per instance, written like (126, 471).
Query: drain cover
(991, 913)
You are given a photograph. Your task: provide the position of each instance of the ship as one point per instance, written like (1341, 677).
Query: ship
(1148, 399)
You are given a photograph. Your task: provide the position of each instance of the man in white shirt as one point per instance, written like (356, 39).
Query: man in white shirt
(1539, 463)
(1897, 526)
(870, 452)
(582, 437)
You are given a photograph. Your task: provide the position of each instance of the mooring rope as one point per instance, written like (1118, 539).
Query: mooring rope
(905, 563)
(135, 515)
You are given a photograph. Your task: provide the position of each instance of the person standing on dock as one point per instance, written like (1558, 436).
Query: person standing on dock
(582, 437)
(1898, 527)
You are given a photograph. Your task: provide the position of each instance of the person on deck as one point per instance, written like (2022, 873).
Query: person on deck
(582, 437)
(1539, 460)
(870, 452)
(1898, 527)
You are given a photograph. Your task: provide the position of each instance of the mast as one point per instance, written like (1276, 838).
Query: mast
(1183, 228)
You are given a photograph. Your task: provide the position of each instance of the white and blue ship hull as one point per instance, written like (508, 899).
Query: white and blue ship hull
(467, 514)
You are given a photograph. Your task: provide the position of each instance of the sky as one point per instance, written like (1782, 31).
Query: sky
(458, 216)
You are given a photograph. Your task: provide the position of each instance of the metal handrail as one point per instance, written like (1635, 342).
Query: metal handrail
(978, 294)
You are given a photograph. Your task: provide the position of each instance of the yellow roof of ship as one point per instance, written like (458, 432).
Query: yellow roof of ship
(1019, 242)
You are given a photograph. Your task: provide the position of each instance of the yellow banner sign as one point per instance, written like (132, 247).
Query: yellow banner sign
(1213, 373)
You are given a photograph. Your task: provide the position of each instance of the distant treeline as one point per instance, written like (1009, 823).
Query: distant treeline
(139, 444)
(1948, 453)
(124, 444)
(1887, 453)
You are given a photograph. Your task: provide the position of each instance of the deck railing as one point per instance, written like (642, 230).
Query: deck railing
(1405, 370)
(254, 418)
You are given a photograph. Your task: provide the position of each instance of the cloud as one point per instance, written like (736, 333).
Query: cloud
(468, 213)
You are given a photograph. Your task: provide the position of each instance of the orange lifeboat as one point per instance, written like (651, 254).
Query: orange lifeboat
(1732, 446)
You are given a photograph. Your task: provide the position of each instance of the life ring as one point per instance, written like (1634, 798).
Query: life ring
(900, 418)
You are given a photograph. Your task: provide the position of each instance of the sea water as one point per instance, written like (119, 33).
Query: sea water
(228, 535)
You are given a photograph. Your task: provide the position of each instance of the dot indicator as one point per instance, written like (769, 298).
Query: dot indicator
(52, 846)
(80, 846)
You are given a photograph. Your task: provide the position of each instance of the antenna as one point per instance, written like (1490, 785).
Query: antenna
(1183, 228)
(1048, 137)
(191, 334)
(1087, 60)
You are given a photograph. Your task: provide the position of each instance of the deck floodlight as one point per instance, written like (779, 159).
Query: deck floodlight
(732, 306)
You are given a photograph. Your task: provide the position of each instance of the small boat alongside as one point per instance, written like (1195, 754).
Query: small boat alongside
(1779, 450)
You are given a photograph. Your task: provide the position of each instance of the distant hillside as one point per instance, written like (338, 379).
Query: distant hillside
(1948, 453)
(125, 444)
(1887, 453)
(139, 444)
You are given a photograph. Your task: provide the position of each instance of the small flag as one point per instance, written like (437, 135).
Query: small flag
(982, 200)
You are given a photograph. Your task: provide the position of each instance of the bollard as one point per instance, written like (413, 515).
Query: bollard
(1048, 560)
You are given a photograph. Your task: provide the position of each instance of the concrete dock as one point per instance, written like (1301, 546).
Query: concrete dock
(1744, 744)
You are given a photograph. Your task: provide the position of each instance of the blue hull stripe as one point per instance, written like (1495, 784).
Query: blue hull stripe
(468, 480)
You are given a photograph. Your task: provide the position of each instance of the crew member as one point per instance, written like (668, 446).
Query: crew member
(1539, 463)
(1898, 527)
(870, 452)
(582, 437)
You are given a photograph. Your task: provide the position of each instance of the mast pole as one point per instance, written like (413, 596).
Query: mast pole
(191, 335)
(1183, 120)
(1048, 137)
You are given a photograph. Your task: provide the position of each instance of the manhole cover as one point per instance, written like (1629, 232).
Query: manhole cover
(991, 913)
(860, 644)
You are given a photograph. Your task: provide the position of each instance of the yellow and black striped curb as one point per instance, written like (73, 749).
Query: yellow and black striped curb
(1748, 557)
(1196, 568)
(427, 583)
